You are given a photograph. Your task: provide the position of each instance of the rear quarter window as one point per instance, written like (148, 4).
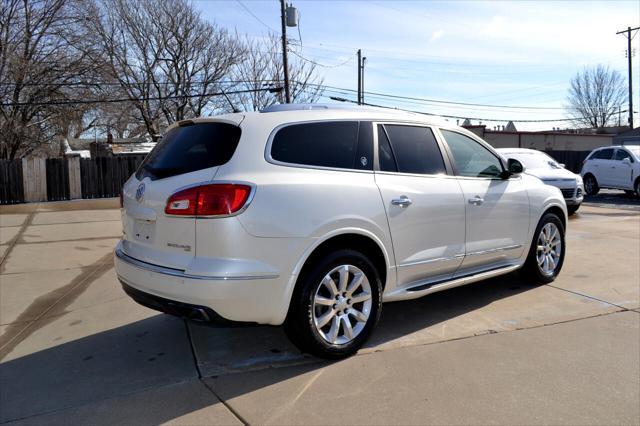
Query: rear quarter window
(190, 148)
(334, 144)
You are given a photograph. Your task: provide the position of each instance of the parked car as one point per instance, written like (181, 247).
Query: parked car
(542, 166)
(613, 167)
(311, 216)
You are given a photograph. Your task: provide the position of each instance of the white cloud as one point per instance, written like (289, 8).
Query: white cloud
(436, 35)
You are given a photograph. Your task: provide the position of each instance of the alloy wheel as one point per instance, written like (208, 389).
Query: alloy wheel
(342, 304)
(549, 249)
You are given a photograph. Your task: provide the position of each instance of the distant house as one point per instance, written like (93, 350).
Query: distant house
(101, 147)
(630, 137)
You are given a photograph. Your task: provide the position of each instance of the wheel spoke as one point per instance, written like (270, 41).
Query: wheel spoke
(545, 264)
(323, 301)
(324, 319)
(344, 277)
(346, 326)
(360, 297)
(355, 283)
(552, 263)
(358, 315)
(331, 285)
(334, 330)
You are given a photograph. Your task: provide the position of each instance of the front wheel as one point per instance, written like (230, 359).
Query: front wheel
(591, 185)
(335, 305)
(573, 209)
(546, 255)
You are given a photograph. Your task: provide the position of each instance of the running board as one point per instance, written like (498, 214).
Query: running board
(421, 289)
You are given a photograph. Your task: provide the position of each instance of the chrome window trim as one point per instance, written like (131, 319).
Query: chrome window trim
(180, 273)
(270, 159)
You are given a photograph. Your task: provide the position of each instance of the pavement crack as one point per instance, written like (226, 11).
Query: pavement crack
(27, 222)
(226, 404)
(577, 293)
(237, 415)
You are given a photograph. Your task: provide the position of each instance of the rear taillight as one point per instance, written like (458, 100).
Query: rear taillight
(209, 200)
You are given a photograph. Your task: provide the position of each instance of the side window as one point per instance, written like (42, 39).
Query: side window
(470, 158)
(621, 154)
(414, 149)
(325, 144)
(604, 154)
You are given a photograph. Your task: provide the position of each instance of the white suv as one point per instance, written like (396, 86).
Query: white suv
(614, 167)
(312, 216)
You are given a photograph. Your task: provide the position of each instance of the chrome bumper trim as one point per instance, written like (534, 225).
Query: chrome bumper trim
(180, 273)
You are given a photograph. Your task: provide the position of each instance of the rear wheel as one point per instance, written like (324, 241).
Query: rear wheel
(546, 255)
(591, 185)
(335, 306)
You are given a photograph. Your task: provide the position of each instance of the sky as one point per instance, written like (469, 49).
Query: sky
(506, 53)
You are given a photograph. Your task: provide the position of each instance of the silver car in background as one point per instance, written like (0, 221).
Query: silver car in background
(541, 165)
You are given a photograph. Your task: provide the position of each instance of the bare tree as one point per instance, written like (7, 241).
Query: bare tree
(595, 96)
(41, 67)
(262, 68)
(166, 58)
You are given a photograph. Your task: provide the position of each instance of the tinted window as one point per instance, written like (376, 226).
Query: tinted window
(415, 150)
(189, 148)
(327, 144)
(604, 154)
(385, 155)
(621, 154)
(470, 158)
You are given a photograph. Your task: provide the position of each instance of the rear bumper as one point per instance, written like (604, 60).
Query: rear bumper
(247, 299)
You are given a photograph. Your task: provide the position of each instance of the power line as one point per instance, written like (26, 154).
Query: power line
(439, 101)
(153, 98)
(318, 63)
(339, 99)
(255, 16)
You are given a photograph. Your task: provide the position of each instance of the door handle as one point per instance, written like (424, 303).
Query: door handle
(476, 201)
(403, 201)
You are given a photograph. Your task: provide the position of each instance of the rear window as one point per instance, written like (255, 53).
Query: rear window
(332, 144)
(190, 148)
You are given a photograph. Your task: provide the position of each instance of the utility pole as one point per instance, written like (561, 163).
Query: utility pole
(359, 77)
(285, 63)
(361, 62)
(629, 58)
(364, 59)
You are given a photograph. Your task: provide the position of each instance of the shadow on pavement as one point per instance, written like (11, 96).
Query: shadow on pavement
(156, 351)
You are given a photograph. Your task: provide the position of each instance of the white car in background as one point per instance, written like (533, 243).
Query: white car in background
(541, 165)
(613, 167)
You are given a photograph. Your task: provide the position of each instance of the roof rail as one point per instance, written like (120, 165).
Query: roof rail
(308, 107)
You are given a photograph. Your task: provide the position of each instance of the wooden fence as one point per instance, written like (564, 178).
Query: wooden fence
(57, 179)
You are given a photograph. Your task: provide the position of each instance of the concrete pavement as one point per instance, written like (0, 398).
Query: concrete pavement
(74, 349)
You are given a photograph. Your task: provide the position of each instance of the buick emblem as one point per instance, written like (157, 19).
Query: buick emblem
(140, 192)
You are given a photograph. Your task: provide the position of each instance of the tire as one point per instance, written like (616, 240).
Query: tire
(637, 187)
(572, 209)
(535, 272)
(310, 305)
(591, 185)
